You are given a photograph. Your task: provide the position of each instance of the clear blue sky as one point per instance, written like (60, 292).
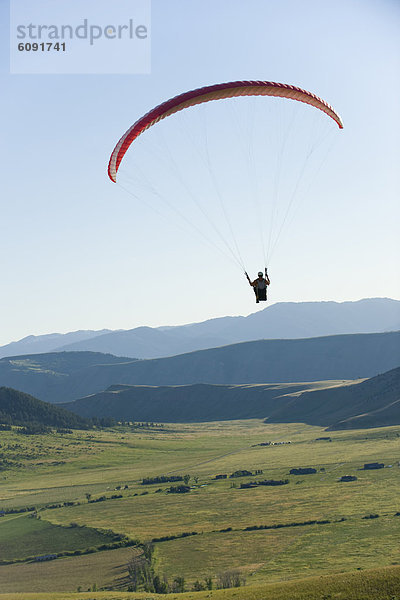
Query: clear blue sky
(77, 253)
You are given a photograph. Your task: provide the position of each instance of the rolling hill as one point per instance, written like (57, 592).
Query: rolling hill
(373, 402)
(18, 408)
(284, 320)
(48, 376)
(186, 403)
(61, 377)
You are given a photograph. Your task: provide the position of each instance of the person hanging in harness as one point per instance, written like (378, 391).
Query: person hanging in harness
(260, 286)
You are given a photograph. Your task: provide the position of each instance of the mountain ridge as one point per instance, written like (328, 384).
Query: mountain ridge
(65, 376)
(373, 402)
(283, 320)
(46, 342)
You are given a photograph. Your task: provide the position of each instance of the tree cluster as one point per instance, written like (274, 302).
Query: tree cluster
(282, 525)
(271, 482)
(161, 479)
(230, 579)
(348, 478)
(142, 577)
(179, 489)
(168, 538)
(303, 471)
(245, 473)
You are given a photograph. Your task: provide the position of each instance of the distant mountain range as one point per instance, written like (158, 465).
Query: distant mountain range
(36, 344)
(374, 402)
(61, 377)
(285, 320)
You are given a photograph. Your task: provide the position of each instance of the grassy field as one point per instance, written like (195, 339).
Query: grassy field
(374, 584)
(283, 554)
(58, 468)
(26, 536)
(67, 574)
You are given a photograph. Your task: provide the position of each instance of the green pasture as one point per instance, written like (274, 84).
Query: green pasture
(374, 584)
(26, 536)
(57, 468)
(218, 506)
(89, 460)
(276, 555)
(67, 574)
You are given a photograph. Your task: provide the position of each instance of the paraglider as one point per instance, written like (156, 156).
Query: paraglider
(260, 285)
(208, 94)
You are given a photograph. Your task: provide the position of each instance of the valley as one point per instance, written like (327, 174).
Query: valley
(90, 483)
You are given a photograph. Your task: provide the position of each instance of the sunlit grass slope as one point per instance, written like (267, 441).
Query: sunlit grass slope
(374, 584)
(57, 468)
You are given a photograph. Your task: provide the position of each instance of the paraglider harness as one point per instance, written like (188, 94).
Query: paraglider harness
(260, 292)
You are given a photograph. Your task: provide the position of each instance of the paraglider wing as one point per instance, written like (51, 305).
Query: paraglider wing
(206, 94)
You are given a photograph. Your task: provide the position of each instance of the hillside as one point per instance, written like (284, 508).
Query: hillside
(283, 320)
(17, 408)
(371, 403)
(337, 405)
(187, 403)
(56, 374)
(67, 376)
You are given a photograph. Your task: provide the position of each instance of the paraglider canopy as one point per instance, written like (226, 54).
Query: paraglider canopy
(207, 94)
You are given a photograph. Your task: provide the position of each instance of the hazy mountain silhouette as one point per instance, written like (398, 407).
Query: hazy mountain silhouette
(284, 320)
(33, 344)
(59, 377)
